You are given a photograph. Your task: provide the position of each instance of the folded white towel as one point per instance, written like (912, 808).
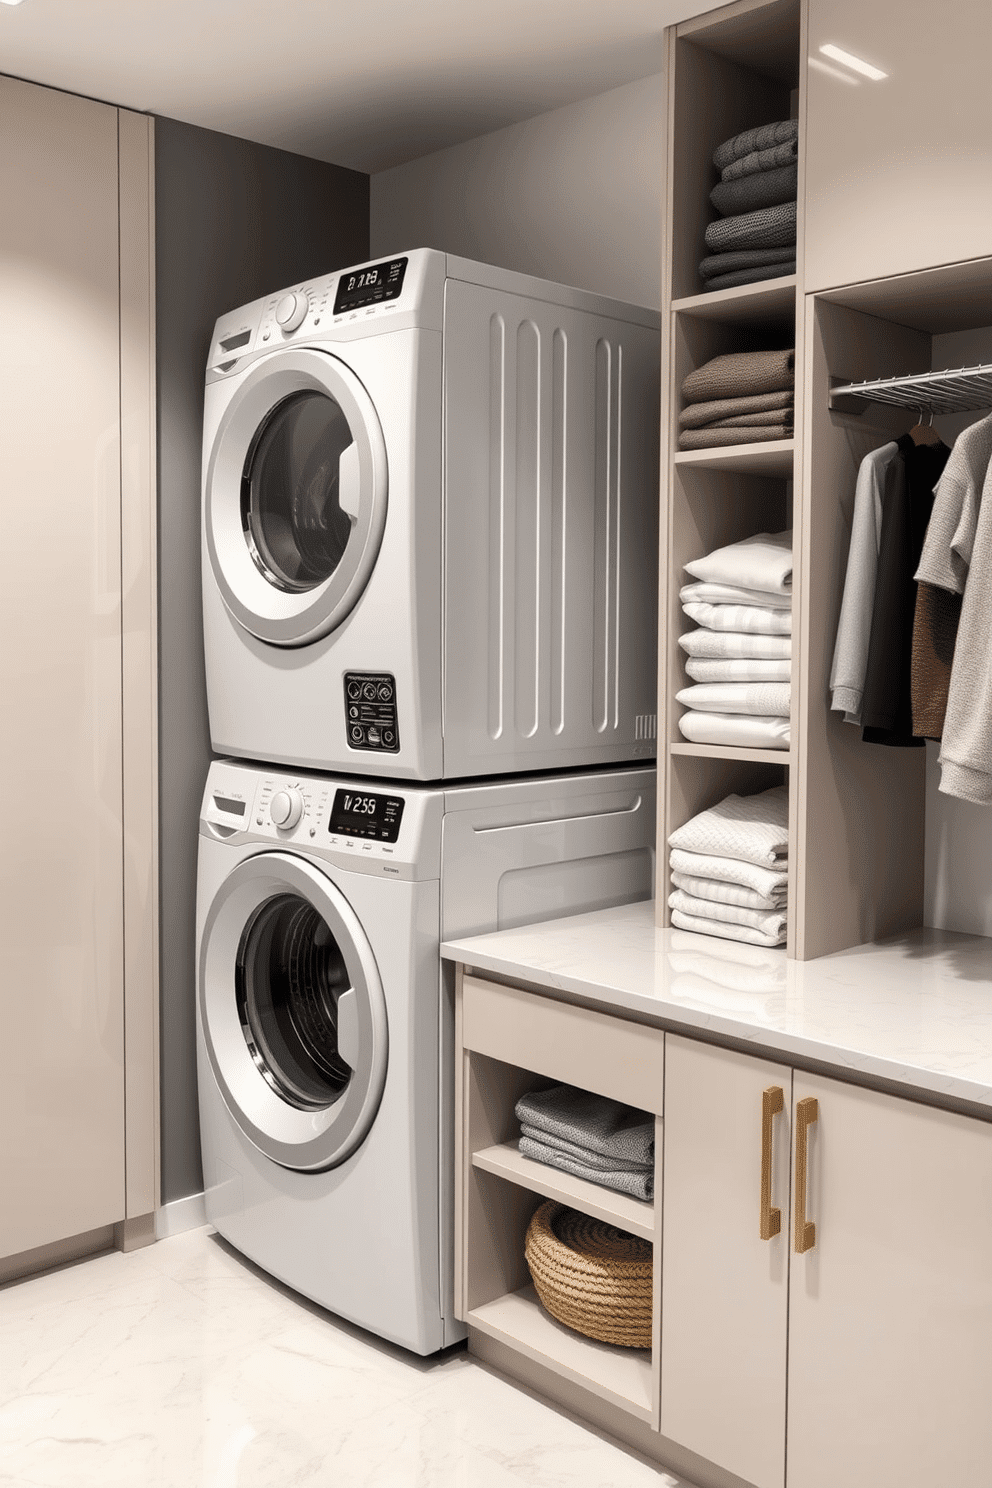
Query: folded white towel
(700, 592)
(729, 893)
(766, 881)
(768, 921)
(740, 669)
(751, 619)
(743, 730)
(752, 828)
(761, 562)
(746, 933)
(769, 699)
(720, 644)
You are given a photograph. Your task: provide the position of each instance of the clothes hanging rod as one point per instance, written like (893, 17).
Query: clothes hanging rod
(959, 390)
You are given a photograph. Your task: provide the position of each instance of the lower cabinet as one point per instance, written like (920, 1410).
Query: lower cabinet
(823, 1281)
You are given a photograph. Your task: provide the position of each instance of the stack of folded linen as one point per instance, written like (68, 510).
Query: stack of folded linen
(742, 397)
(590, 1136)
(755, 236)
(730, 869)
(739, 657)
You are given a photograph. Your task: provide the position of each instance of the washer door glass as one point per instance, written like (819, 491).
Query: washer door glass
(292, 1012)
(295, 495)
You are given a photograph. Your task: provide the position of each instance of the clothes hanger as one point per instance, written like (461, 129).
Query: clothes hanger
(925, 433)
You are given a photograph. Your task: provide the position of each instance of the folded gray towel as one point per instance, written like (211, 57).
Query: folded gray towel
(761, 160)
(753, 420)
(764, 137)
(750, 276)
(691, 439)
(772, 227)
(638, 1185)
(697, 414)
(591, 1121)
(751, 258)
(751, 193)
(741, 374)
(584, 1154)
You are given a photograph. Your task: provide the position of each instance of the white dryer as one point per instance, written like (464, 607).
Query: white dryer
(430, 524)
(324, 1018)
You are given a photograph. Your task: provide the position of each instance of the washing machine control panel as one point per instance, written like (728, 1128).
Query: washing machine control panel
(363, 813)
(371, 720)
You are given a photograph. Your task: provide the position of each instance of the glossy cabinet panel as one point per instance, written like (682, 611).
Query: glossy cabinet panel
(61, 992)
(897, 169)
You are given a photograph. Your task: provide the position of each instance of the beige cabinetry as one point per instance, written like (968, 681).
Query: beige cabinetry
(77, 690)
(896, 167)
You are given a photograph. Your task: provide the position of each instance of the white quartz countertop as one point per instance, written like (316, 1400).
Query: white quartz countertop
(916, 1010)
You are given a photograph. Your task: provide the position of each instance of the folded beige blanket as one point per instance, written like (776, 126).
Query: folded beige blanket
(696, 414)
(762, 561)
(741, 374)
(694, 439)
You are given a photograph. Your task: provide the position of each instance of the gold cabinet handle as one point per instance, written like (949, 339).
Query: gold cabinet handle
(807, 1111)
(772, 1102)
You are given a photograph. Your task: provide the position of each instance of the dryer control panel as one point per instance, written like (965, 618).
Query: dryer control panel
(371, 720)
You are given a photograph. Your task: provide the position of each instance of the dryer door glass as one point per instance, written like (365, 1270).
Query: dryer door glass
(294, 523)
(290, 974)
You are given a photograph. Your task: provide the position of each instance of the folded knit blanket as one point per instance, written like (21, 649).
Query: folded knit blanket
(766, 881)
(601, 1125)
(767, 418)
(751, 193)
(640, 1185)
(769, 921)
(754, 828)
(694, 415)
(700, 591)
(761, 160)
(772, 227)
(768, 699)
(737, 669)
(721, 645)
(741, 374)
(763, 137)
(750, 276)
(744, 619)
(744, 933)
(583, 1154)
(743, 731)
(763, 561)
(728, 893)
(710, 438)
(752, 258)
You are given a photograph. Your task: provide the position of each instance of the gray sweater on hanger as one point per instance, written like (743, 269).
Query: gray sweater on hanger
(850, 663)
(957, 556)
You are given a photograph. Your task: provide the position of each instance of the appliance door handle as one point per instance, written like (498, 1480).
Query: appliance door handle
(772, 1103)
(350, 482)
(349, 1040)
(807, 1111)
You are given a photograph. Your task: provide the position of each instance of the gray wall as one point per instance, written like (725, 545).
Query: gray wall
(234, 221)
(573, 195)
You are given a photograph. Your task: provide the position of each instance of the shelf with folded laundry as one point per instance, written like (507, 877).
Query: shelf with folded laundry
(729, 869)
(752, 236)
(738, 398)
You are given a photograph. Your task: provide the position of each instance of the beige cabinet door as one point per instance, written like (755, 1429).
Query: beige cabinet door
(897, 168)
(890, 1311)
(724, 1288)
(61, 911)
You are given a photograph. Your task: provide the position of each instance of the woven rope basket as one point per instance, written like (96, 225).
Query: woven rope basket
(591, 1276)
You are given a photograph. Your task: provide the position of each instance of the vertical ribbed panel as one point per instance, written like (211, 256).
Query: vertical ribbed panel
(559, 525)
(606, 509)
(528, 532)
(496, 617)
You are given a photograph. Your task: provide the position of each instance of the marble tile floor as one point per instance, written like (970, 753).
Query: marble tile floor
(183, 1366)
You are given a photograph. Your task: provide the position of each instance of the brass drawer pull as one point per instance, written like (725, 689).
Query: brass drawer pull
(807, 1111)
(772, 1102)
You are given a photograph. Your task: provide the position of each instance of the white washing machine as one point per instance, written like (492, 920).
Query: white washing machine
(324, 1025)
(430, 524)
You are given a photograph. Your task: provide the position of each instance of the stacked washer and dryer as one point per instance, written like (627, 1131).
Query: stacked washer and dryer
(429, 595)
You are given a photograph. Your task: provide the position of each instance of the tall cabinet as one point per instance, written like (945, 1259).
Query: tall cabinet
(78, 1101)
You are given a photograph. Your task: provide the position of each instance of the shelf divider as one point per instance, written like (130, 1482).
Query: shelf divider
(732, 752)
(635, 1215)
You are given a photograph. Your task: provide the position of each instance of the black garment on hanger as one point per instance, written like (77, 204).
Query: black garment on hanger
(887, 702)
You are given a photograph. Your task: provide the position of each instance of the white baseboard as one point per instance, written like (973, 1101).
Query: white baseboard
(181, 1215)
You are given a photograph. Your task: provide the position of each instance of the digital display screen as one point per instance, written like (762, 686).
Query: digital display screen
(224, 803)
(362, 814)
(371, 286)
(233, 342)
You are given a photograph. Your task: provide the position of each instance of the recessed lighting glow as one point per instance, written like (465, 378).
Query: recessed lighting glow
(855, 63)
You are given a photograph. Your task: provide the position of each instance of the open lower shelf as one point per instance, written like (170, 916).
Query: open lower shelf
(620, 1375)
(774, 458)
(768, 304)
(732, 752)
(635, 1215)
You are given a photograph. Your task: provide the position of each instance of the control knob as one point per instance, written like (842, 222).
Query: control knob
(291, 311)
(287, 808)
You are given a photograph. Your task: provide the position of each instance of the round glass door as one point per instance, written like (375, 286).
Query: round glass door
(295, 497)
(292, 1012)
